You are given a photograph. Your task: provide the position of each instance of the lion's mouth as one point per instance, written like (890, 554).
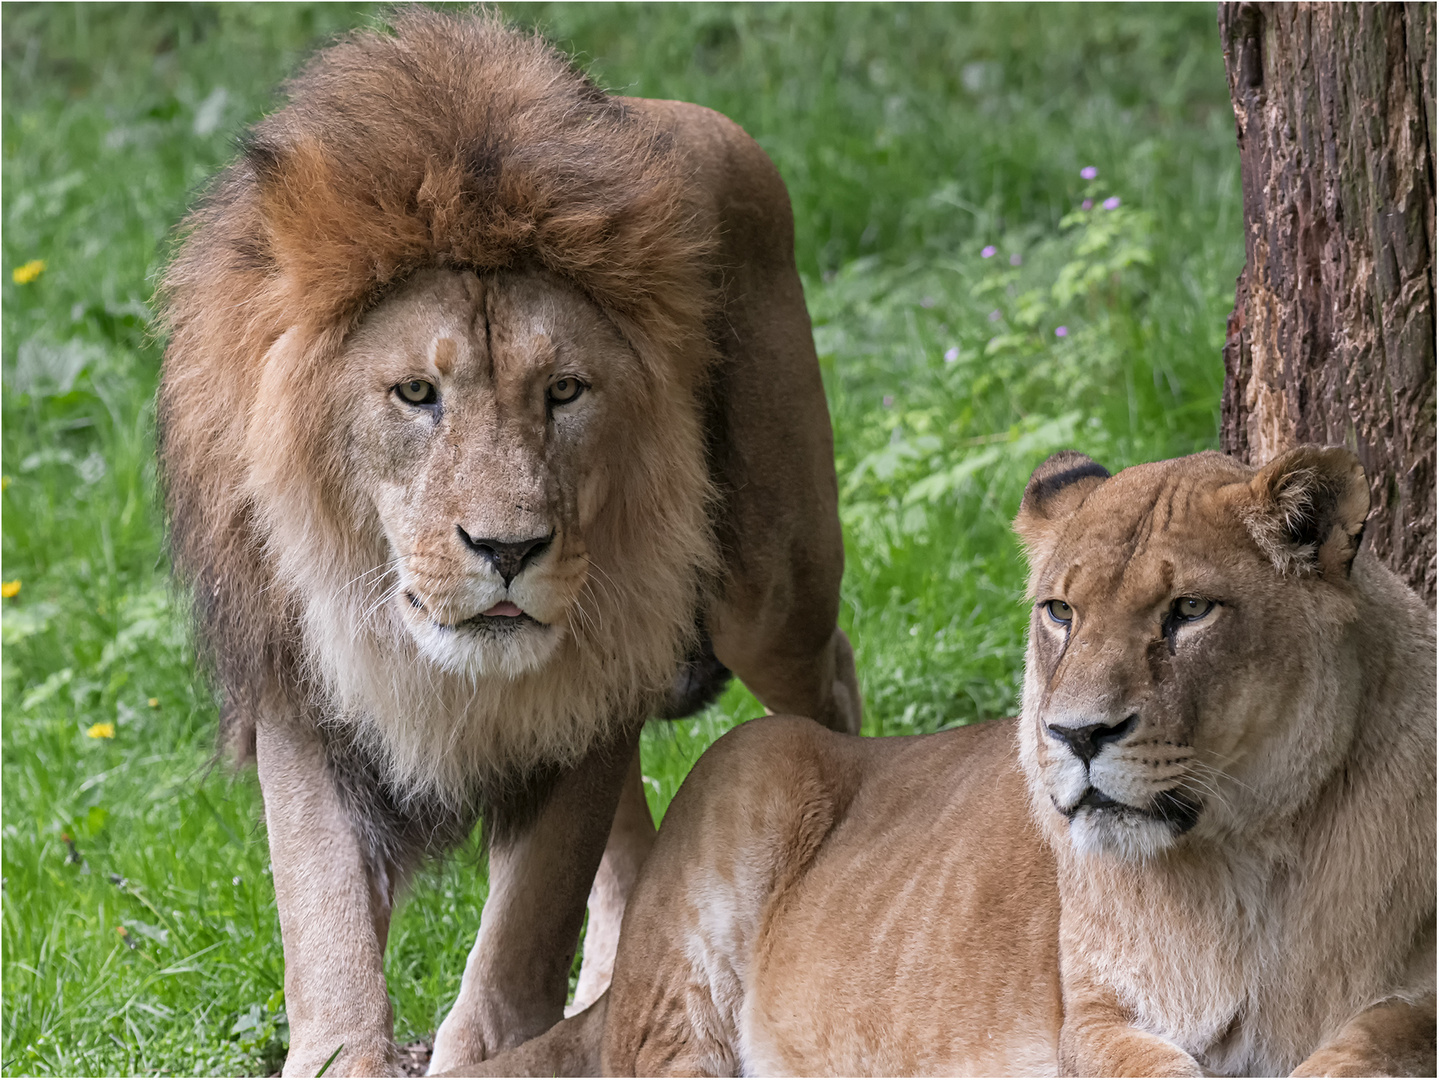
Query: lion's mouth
(504, 617)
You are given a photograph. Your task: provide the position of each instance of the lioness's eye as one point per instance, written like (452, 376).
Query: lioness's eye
(1059, 611)
(1191, 608)
(417, 392)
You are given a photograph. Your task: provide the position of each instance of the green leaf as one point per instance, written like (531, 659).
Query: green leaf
(46, 690)
(18, 623)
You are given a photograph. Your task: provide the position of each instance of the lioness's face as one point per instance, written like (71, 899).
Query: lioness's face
(475, 407)
(1165, 690)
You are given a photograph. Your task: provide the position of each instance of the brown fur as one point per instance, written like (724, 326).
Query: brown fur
(453, 203)
(949, 904)
(382, 164)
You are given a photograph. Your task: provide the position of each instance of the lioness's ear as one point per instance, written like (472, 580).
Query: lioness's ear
(1054, 491)
(1308, 510)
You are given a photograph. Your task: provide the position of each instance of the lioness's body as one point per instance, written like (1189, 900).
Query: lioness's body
(1239, 877)
(851, 913)
(491, 426)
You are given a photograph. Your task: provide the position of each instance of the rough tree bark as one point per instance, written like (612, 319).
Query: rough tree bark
(1332, 335)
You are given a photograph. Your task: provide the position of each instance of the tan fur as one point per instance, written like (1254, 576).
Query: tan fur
(1297, 716)
(924, 905)
(455, 205)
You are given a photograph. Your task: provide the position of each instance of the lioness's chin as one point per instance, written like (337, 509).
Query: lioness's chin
(481, 647)
(1121, 832)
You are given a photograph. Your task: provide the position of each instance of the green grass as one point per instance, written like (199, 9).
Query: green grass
(910, 138)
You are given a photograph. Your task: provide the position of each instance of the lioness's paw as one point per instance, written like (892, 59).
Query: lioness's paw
(1339, 1063)
(1125, 1051)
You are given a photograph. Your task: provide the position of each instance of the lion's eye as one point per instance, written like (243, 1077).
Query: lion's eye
(564, 390)
(418, 392)
(1192, 608)
(1059, 611)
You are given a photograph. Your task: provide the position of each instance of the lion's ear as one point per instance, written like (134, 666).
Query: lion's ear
(1308, 509)
(1054, 491)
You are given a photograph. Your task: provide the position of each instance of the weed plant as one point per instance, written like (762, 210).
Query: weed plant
(1019, 231)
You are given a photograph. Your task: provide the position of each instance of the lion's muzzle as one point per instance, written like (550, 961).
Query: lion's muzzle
(507, 557)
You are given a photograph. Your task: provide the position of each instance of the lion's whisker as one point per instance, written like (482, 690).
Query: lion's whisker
(386, 565)
(385, 597)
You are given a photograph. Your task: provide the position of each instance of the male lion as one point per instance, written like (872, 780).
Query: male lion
(491, 425)
(1206, 844)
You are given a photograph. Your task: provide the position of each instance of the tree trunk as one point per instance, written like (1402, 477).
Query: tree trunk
(1332, 335)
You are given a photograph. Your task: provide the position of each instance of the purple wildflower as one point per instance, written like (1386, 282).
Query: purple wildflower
(995, 316)
(1061, 331)
(951, 354)
(1112, 202)
(888, 400)
(1016, 259)
(1087, 204)
(989, 251)
(1089, 172)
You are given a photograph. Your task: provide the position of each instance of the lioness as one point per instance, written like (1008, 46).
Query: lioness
(491, 425)
(1206, 844)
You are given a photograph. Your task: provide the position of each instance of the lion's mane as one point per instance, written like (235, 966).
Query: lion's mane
(454, 142)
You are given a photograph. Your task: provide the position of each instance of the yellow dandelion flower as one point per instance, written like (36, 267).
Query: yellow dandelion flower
(23, 275)
(101, 731)
(154, 703)
(4, 483)
(10, 589)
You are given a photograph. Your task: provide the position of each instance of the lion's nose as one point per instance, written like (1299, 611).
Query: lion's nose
(1086, 740)
(508, 557)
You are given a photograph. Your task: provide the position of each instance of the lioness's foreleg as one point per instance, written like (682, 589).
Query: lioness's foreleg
(631, 837)
(334, 912)
(1098, 1039)
(517, 974)
(1393, 1038)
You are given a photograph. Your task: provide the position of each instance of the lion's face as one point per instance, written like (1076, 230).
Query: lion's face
(477, 409)
(1174, 668)
(483, 481)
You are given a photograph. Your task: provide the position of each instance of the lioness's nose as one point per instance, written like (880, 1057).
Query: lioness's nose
(508, 557)
(1086, 740)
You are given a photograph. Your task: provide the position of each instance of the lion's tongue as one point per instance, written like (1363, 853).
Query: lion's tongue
(505, 608)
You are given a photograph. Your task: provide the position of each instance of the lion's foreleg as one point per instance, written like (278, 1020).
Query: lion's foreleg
(783, 669)
(631, 837)
(517, 974)
(1393, 1038)
(334, 914)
